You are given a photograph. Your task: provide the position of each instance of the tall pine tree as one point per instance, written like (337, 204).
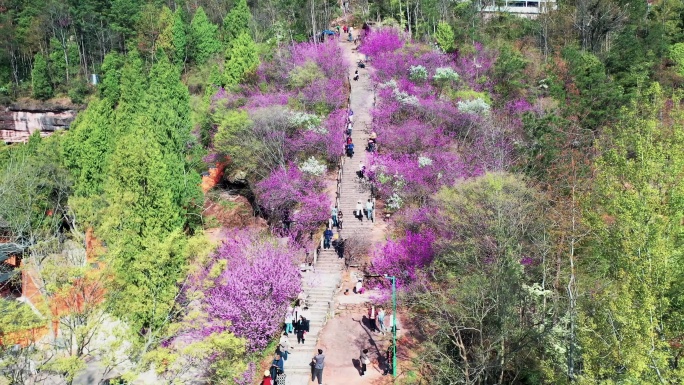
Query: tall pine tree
(241, 58)
(203, 40)
(237, 21)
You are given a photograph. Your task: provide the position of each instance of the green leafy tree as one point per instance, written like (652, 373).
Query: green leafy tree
(487, 302)
(508, 72)
(633, 310)
(241, 58)
(677, 55)
(445, 37)
(64, 61)
(595, 95)
(203, 40)
(237, 21)
(18, 320)
(41, 85)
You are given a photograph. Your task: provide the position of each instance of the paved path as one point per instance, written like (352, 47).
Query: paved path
(322, 284)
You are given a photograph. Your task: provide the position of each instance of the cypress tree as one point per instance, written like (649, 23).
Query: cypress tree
(168, 108)
(180, 38)
(109, 86)
(88, 146)
(241, 58)
(204, 42)
(237, 21)
(165, 38)
(40, 78)
(142, 230)
(132, 88)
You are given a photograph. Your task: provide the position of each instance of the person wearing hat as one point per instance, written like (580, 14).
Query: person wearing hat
(267, 378)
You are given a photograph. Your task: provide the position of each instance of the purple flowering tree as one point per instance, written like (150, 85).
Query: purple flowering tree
(403, 258)
(246, 287)
(290, 194)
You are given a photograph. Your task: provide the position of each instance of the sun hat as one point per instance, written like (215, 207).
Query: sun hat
(266, 373)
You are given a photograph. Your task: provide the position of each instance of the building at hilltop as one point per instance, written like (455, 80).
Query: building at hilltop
(523, 8)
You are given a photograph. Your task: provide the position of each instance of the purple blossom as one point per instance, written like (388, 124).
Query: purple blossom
(404, 258)
(381, 41)
(249, 282)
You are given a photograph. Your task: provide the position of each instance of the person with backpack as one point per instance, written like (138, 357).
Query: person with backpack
(350, 150)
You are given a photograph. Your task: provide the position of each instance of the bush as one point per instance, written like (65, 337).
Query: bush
(418, 73)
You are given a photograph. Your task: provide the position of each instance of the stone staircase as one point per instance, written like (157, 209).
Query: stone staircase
(321, 284)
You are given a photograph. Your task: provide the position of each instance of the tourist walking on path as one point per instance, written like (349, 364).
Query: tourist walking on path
(284, 346)
(369, 210)
(289, 318)
(359, 211)
(350, 150)
(319, 364)
(327, 236)
(363, 361)
(333, 214)
(340, 248)
(301, 329)
(372, 315)
(339, 220)
(297, 310)
(381, 320)
(277, 367)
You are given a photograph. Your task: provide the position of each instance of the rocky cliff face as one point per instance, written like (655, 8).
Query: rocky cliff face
(19, 121)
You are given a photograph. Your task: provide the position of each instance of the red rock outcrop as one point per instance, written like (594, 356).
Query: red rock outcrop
(19, 121)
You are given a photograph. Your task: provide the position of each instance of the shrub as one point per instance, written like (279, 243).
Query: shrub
(313, 166)
(475, 106)
(418, 73)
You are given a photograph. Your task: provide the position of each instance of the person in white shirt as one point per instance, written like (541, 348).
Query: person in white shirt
(359, 287)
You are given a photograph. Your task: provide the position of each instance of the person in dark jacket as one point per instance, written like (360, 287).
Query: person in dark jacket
(301, 329)
(327, 236)
(277, 366)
